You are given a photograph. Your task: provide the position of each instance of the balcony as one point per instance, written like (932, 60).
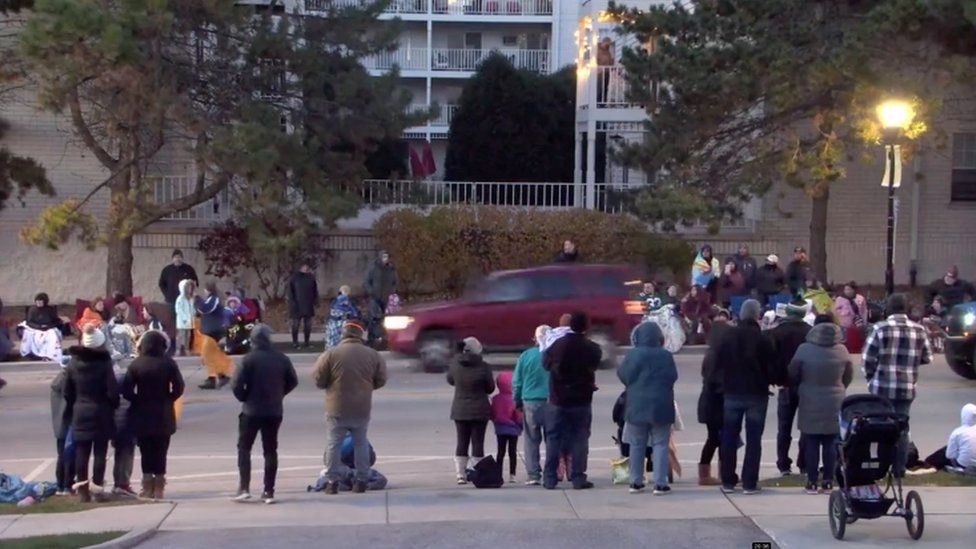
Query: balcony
(405, 58)
(454, 60)
(467, 60)
(608, 85)
(493, 7)
(379, 193)
(443, 119)
(444, 7)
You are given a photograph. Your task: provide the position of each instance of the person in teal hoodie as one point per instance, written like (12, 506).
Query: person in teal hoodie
(649, 374)
(530, 390)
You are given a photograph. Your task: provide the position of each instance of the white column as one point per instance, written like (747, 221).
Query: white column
(555, 37)
(591, 164)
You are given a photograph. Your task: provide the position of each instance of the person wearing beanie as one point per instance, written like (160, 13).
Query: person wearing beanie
(787, 337)
(42, 334)
(152, 384)
(171, 276)
(349, 373)
(572, 362)
(91, 395)
(471, 378)
(261, 383)
(530, 390)
(744, 359)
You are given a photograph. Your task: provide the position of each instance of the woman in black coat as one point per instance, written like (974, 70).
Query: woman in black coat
(471, 378)
(91, 395)
(153, 383)
(711, 402)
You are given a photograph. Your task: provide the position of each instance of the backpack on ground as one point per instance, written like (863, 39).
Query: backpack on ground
(486, 474)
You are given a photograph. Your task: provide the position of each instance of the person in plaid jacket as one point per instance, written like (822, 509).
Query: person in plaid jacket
(893, 353)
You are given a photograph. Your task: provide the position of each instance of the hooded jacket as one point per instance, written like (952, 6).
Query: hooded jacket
(184, 308)
(264, 377)
(91, 394)
(381, 281)
(152, 384)
(507, 420)
(60, 413)
(962, 441)
(471, 377)
(303, 295)
(171, 277)
(44, 317)
(648, 372)
(211, 316)
(349, 373)
(821, 370)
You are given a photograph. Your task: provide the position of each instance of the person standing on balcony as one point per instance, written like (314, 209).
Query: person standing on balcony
(604, 60)
(569, 253)
(381, 283)
(303, 294)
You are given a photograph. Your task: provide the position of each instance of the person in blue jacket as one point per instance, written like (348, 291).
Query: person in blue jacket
(649, 374)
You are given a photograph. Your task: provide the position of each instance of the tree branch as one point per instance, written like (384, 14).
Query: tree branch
(86, 136)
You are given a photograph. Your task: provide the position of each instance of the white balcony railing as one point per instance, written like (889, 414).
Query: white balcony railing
(444, 7)
(493, 7)
(172, 187)
(608, 85)
(466, 60)
(609, 197)
(405, 58)
(446, 115)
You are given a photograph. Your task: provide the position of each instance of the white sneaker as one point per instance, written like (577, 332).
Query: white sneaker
(532, 482)
(511, 479)
(242, 496)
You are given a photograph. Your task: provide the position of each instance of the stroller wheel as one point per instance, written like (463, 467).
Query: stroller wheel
(914, 515)
(837, 514)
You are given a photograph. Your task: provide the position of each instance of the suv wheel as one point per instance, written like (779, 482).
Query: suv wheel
(435, 350)
(601, 337)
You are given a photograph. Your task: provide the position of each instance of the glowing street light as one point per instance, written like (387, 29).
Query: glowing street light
(895, 116)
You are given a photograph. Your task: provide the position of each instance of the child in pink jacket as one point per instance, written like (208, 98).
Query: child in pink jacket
(507, 421)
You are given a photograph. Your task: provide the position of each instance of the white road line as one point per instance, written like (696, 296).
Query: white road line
(39, 469)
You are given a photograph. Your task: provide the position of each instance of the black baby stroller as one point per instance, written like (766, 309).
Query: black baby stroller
(869, 430)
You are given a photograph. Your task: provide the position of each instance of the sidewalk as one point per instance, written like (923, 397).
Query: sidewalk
(787, 516)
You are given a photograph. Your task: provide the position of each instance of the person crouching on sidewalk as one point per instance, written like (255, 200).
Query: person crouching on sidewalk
(349, 373)
(261, 383)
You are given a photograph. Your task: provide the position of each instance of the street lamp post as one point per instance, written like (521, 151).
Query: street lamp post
(895, 117)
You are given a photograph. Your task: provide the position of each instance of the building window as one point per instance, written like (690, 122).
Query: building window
(963, 188)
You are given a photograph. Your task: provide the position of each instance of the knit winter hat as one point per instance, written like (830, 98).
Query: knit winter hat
(772, 259)
(353, 329)
(796, 309)
(92, 338)
(472, 346)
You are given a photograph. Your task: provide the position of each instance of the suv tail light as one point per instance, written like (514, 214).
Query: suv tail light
(634, 307)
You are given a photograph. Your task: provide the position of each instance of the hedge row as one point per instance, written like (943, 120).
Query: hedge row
(440, 250)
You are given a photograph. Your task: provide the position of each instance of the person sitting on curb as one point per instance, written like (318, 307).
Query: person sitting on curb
(960, 452)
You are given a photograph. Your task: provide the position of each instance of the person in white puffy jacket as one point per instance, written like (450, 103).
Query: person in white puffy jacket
(184, 316)
(961, 450)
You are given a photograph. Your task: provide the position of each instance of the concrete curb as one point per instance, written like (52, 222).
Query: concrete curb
(135, 537)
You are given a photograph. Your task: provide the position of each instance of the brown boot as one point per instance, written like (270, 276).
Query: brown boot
(147, 487)
(158, 484)
(705, 477)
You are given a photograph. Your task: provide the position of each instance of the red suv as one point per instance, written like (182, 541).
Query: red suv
(503, 309)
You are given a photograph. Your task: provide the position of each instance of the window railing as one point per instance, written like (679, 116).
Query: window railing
(444, 7)
(452, 59)
(173, 187)
(405, 58)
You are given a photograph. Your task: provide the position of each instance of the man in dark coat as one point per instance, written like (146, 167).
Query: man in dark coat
(303, 295)
(746, 265)
(787, 338)
(711, 400)
(172, 275)
(569, 253)
(769, 279)
(572, 362)
(381, 283)
(261, 382)
(797, 271)
(744, 359)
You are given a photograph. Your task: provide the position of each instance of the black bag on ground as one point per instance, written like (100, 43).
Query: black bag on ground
(486, 474)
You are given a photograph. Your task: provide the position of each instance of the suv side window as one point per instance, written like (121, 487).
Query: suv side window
(605, 284)
(506, 290)
(553, 286)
